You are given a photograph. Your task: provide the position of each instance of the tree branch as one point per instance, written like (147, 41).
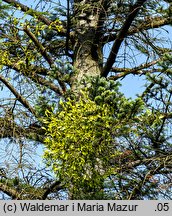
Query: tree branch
(54, 186)
(153, 23)
(120, 37)
(38, 70)
(20, 98)
(9, 129)
(30, 73)
(45, 55)
(38, 45)
(139, 70)
(28, 10)
(160, 158)
(9, 191)
(33, 13)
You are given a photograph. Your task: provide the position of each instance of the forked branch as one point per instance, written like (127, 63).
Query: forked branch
(120, 37)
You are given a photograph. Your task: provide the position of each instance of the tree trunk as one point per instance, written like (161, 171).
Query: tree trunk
(88, 55)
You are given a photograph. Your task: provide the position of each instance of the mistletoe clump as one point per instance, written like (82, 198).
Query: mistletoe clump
(79, 141)
(81, 137)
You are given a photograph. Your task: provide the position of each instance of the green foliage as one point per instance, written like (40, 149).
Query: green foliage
(79, 142)
(81, 138)
(166, 63)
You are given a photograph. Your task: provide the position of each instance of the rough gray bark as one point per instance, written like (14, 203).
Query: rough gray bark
(88, 48)
(89, 17)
